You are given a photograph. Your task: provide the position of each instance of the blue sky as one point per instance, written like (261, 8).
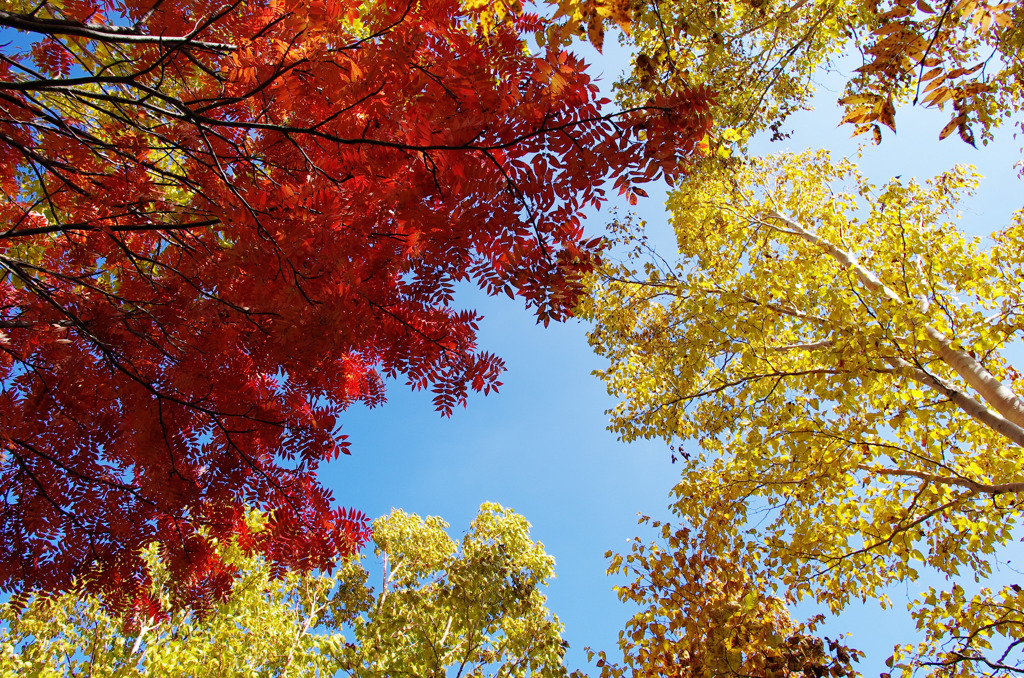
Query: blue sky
(540, 447)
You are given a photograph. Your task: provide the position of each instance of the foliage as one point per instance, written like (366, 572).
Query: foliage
(835, 351)
(760, 56)
(588, 18)
(223, 224)
(702, 615)
(474, 609)
(937, 55)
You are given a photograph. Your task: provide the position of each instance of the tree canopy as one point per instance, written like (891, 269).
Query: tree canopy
(469, 608)
(222, 225)
(834, 349)
(761, 58)
(225, 223)
(703, 614)
(826, 356)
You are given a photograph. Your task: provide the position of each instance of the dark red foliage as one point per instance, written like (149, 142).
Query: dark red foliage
(223, 224)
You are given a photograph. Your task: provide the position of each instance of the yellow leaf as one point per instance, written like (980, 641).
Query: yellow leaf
(860, 114)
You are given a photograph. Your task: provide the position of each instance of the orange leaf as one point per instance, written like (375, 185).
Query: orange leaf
(558, 83)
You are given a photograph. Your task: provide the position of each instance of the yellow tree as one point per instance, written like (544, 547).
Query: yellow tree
(835, 352)
(445, 608)
(760, 56)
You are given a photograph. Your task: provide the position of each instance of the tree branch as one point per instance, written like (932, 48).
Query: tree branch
(974, 486)
(961, 399)
(994, 392)
(101, 33)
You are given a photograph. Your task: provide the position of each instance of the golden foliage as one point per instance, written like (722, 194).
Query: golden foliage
(835, 351)
(760, 56)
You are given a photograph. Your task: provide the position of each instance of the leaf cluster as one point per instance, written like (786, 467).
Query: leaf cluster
(473, 609)
(701, 615)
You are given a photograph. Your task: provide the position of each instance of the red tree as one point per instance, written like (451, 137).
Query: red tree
(222, 224)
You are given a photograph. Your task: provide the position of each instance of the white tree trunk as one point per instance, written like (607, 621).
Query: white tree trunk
(996, 394)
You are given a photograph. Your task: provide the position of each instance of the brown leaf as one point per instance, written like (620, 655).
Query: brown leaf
(938, 96)
(1003, 19)
(859, 99)
(896, 13)
(960, 72)
(885, 29)
(966, 133)
(621, 12)
(876, 65)
(887, 114)
(952, 125)
(973, 88)
(986, 23)
(874, 130)
(595, 32)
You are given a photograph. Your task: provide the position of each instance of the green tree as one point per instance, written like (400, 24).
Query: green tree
(834, 349)
(444, 608)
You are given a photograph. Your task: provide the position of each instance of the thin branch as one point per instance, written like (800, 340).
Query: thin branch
(112, 34)
(972, 485)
